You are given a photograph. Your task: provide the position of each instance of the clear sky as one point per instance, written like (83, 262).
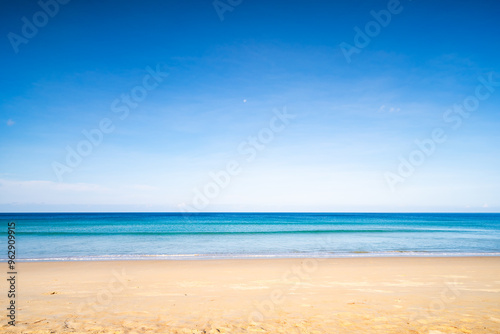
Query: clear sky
(250, 105)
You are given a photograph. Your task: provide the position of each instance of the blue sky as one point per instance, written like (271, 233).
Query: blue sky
(351, 125)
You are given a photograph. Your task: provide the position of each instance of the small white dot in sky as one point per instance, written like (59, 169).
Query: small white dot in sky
(245, 101)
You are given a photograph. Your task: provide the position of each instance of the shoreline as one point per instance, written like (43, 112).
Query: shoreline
(295, 295)
(195, 257)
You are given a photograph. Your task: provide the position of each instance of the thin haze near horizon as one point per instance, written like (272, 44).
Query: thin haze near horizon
(250, 106)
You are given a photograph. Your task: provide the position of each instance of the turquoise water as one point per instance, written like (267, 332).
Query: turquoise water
(101, 236)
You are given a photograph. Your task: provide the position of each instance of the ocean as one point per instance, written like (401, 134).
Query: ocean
(115, 236)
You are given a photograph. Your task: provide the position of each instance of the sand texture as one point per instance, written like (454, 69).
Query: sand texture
(356, 295)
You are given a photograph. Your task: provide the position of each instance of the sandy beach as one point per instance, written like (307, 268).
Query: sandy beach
(355, 295)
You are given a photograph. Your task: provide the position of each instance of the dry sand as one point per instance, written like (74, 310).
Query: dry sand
(357, 295)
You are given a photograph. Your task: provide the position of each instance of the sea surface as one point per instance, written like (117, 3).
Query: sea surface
(111, 236)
